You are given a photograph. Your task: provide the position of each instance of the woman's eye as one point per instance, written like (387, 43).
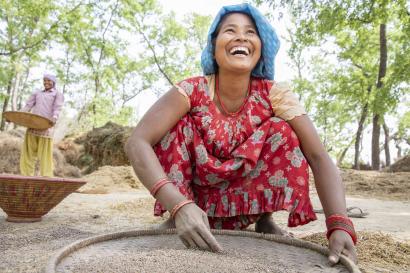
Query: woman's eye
(251, 31)
(229, 30)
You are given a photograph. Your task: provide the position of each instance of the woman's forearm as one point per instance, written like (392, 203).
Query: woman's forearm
(329, 185)
(328, 182)
(149, 170)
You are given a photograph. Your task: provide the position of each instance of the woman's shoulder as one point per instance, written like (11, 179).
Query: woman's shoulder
(189, 85)
(274, 85)
(194, 80)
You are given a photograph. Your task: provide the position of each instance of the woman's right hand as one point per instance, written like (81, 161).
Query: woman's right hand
(193, 228)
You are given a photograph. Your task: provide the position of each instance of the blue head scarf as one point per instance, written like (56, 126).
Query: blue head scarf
(265, 68)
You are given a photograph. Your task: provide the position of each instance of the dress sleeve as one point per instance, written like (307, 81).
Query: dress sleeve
(285, 103)
(30, 103)
(186, 88)
(58, 104)
(183, 93)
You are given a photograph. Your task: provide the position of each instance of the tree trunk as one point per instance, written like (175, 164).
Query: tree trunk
(5, 105)
(342, 155)
(376, 116)
(94, 106)
(398, 147)
(15, 91)
(375, 142)
(359, 135)
(386, 144)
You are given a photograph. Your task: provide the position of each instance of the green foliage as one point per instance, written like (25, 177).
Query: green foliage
(343, 80)
(404, 127)
(104, 52)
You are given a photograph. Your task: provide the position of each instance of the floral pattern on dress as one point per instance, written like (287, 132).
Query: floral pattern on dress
(276, 140)
(278, 180)
(202, 154)
(167, 139)
(296, 157)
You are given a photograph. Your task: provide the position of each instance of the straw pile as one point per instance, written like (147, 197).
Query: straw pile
(10, 147)
(401, 165)
(382, 185)
(105, 145)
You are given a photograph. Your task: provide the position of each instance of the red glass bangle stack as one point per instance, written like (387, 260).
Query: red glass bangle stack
(159, 184)
(177, 207)
(340, 222)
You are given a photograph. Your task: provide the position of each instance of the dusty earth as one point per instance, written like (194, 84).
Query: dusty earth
(116, 201)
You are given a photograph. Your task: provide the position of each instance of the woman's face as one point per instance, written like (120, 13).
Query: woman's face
(48, 84)
(237, 45)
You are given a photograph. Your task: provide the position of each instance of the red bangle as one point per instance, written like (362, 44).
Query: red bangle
(177, 207)
(159, 185)
(340, 222)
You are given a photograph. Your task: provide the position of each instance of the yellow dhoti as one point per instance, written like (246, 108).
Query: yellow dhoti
(36, 147)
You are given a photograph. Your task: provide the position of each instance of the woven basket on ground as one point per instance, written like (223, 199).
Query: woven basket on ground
(28, 120)
(27, 199)
(161, 251)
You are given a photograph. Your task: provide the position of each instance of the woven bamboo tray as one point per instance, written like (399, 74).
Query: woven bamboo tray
(160, 251)
(27, 199)
(28, 120)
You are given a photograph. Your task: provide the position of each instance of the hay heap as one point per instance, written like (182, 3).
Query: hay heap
(99, 147)
(401, 165)
(376, 251)
(72, 147)
(10, 146)
(382, 185)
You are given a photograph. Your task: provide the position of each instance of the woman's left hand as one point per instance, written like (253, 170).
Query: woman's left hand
(340, 242)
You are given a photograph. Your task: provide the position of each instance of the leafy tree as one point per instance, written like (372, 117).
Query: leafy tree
(371, 39)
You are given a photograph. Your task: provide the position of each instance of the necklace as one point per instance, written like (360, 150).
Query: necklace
(232, 114)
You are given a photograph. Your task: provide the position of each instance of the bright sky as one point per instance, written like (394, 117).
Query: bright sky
(211, 7)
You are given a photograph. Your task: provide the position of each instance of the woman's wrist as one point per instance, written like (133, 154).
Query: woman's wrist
(169, 196)
(158, 185)
(178, 206)
(340, 222)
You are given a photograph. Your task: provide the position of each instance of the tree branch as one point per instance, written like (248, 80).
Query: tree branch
(155, 56)
(45, 36)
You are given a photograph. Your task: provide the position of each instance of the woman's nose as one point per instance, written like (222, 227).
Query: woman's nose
(241, 36)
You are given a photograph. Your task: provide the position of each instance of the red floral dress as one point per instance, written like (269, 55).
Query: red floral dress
(236, 168)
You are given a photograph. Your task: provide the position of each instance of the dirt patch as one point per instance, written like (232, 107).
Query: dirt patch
(10, 147)
(376, 251)
(109, 179)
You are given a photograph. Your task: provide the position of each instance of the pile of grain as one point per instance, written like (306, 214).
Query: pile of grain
(375, 250)
(109, 179)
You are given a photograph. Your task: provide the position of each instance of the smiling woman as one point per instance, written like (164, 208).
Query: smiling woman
(228, 149)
